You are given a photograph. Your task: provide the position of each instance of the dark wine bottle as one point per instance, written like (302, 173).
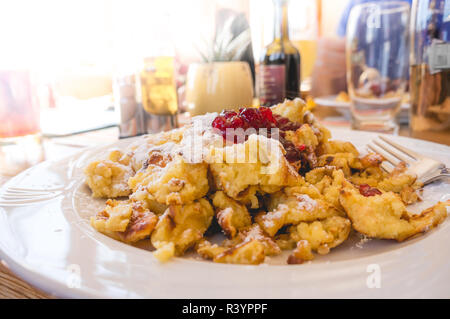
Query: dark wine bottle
(279, 69)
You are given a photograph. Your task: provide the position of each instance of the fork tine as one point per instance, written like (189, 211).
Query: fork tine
(23, 201)
(405, 150)
(388, 157)
(387, 166)
(14, 196)
(395, 152)
(28, 190)
(20, 196)
(22, 193)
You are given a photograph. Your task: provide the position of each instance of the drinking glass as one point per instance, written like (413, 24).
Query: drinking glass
(377, 52)
(158, 93)
(304, 22)
(20, 142)
(429, 82)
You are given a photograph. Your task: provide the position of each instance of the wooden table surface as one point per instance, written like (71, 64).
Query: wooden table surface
(13, 287)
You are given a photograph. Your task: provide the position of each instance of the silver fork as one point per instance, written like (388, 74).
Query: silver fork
(15, 196)
(426, 169)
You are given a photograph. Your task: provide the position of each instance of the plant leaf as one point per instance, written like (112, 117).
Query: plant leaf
(239, 45)
(226, 47)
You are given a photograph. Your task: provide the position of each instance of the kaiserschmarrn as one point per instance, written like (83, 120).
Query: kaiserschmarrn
(279, 182)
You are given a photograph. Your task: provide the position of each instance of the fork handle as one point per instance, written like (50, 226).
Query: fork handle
(443, 173)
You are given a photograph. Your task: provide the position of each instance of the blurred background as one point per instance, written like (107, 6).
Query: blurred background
(75, 48)
(141, 66)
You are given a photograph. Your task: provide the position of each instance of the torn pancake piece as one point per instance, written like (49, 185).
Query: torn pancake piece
(385, 215)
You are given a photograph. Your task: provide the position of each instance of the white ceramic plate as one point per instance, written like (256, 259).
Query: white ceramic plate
(330, 100)
(344, 107)
(50, 244)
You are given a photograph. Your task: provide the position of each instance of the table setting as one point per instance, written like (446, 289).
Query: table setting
(290, 161)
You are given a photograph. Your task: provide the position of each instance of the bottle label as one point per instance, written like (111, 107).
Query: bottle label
(447, 11)
(272, 86)
(439, 56)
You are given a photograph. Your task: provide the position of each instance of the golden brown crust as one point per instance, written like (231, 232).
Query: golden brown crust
(301, 253)
(141, 225)
(230, 215)
(124, 220)
(249, 252)
(250, 246)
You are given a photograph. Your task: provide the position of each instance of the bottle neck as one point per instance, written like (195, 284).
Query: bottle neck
(281, 31)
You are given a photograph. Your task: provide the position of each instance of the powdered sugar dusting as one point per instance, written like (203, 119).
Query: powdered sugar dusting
(362, 242)
(306, 203)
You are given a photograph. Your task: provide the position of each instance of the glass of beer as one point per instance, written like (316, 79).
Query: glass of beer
(304, 33)
(158, 94)
(377, 53)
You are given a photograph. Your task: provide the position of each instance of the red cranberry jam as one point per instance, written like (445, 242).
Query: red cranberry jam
(245, 118)
(258, 118)
(367, 190)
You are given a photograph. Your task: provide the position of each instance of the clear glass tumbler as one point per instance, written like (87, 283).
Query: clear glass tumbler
(20, 138)
(377, 52)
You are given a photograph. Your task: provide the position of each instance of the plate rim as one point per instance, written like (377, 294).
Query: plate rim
(330, 101)
(56, 288)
